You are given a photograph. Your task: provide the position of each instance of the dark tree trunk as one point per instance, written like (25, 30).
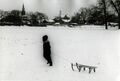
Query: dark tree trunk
(106, 26)
(105, 14)
(119, 21)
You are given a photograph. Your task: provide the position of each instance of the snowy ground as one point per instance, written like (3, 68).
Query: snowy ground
(21, 53)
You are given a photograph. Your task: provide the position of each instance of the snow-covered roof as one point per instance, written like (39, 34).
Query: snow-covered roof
(51, 20)
(65, 20)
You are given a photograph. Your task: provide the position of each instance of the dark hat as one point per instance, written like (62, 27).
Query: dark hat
(45, 37)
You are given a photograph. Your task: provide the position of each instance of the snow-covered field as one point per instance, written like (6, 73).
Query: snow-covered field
(21, 54)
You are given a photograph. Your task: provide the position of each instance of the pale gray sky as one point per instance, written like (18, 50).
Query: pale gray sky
(50, 7)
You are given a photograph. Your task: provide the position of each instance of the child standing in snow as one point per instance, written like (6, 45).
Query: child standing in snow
(47, 50)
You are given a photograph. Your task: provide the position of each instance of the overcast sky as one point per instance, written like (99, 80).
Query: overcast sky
(50, 7)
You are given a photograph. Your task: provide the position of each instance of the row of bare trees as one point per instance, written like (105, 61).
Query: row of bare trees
(109, 4)
(15, 17)
(101, 13)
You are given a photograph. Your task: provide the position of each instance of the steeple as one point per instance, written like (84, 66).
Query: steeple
(60, 13)
(23, 10)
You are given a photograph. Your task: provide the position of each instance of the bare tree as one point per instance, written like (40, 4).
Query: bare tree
(84, 14)
(41, 16)
(116, 6)
(96, 15)
(15, 12)
(104, 6)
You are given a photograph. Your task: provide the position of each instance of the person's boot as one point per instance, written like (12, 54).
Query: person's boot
(50, 64)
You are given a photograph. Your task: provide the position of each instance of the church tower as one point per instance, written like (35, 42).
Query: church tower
(23, 10)
(60, 13)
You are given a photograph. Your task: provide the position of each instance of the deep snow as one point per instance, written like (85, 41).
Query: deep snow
(21, 54)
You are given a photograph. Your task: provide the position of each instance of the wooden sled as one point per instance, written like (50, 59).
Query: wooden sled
(80, 66)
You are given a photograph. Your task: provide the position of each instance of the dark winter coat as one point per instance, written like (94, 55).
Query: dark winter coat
(46, 49)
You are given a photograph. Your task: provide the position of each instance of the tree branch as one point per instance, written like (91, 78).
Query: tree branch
(116, 9)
